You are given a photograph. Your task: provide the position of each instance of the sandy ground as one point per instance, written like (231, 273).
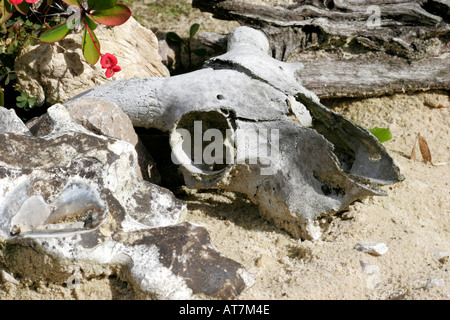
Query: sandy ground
(413, 220)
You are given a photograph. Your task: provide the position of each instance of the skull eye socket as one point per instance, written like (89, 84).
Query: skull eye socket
(203, 142)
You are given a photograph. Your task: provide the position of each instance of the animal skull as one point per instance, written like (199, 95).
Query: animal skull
(273, 139)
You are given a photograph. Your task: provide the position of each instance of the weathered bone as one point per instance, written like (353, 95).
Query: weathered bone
(318, 165)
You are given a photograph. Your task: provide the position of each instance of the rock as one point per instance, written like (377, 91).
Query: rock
(72, 200)
(373, 272)
(442, 256)
(368, 268)
(6, 277)
(40, 126)
(169, 51)
(55, 72)
(214, 40)
(373, 248)
(434, 283)
(106, 118)
(264, 143)
(9, 122)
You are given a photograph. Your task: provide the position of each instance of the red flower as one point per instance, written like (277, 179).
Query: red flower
(108, 61)
(110, 72)
(20, 1)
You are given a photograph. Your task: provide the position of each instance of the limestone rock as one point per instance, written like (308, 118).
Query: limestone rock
(373, 248)
(106, 118)
(72, 200)
(55, 72)
(9, 122)
(6, 277)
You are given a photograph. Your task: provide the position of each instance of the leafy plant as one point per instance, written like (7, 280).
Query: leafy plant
(106, 12)
(7, 75)
(25, 102)
(25, 22)
(187, 44)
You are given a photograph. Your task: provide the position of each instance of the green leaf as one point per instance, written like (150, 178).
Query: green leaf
(117, 15)
(90, 52)
(6, 10)
(381, 134)
(193, 30)
(21, 104)
(200, 52)
(101, 4)
(91, 23)
(186, 49)
(23, 97)
(172, 36)
(56, 33)
(32, 102)
(23, 7)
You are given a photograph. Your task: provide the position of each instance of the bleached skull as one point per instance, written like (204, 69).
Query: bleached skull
(245, 123)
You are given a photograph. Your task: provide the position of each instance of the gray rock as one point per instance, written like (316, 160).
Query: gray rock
(297, 170)
(9, 122)
(72, 200)
(106, 118)
(214, 40)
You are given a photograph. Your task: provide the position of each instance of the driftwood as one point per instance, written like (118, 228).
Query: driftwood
(353, 48)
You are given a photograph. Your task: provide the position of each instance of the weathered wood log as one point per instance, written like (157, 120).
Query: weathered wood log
(353, 47)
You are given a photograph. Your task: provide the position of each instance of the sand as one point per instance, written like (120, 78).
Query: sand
(413, 220)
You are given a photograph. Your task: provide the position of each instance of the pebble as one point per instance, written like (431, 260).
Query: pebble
(442, 256)
(368, 268)
(373, 248)
(373, 274)
(434, 283)
(6, 277)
